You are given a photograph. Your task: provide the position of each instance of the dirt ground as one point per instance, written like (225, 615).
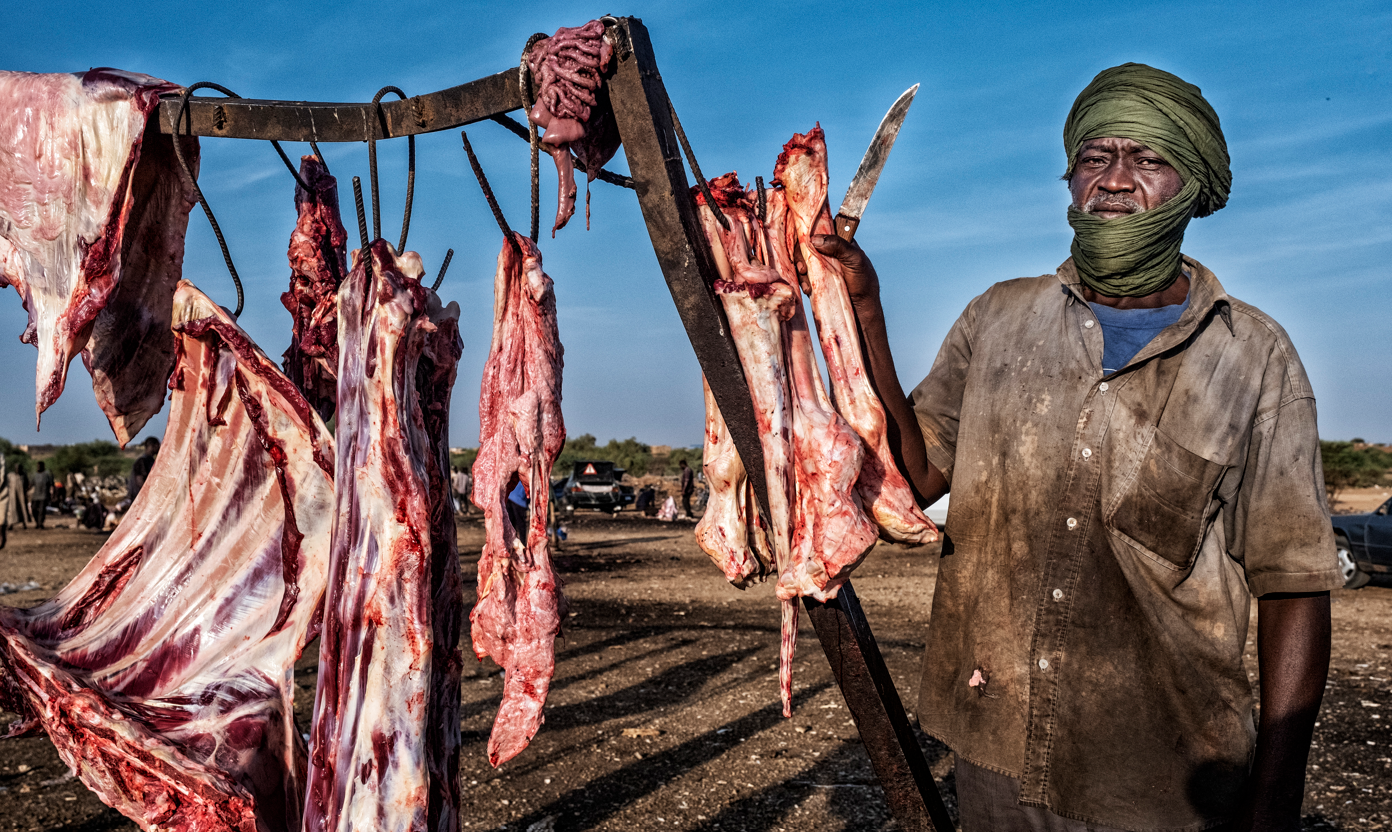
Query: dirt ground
(665, 714)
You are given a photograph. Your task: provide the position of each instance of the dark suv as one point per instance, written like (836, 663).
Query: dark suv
(593, 484)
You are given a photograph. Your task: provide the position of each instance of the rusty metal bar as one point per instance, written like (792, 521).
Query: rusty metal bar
(303, 121)
(643, 114)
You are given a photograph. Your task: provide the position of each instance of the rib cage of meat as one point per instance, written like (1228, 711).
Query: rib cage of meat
(519, 608)
(802, 171)
(93, 210)
(573, 107)
(164, 672)
(317, 267)
(385, 732)
(811, 456)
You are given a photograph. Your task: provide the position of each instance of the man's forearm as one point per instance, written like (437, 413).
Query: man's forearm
(1293, 654)
(905, 436)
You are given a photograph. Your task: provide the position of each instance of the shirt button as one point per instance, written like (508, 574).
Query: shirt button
(1087, 453)
(1058, 595)
(1072, 523)
(1087, 324)
(1102, 388)
(1043, 664)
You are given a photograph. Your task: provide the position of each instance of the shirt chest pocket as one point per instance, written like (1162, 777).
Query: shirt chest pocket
(1163, 506)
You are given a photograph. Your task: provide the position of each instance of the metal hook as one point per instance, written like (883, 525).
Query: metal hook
(372, 170)
(524, 80)
(313, 145)
(696, 169)
(183, 163)
(488, 194)
(449, 255)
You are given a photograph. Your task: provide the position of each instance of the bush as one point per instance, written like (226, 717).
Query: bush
(15, 459)
(464, 460)
(1346, 466)
(630, 454)
(104, 457)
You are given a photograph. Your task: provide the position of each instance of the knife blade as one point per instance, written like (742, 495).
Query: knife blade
(868, 174)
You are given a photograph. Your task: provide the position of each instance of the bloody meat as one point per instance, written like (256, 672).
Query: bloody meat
(802, 171)
(385, 729)
(164, 672)
(812, 459)
(521, 431)
(317, 267)
(93, 210)
(572, 105)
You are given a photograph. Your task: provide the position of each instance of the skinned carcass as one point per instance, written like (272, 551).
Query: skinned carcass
(385, 732)
(731, 529)
(572, 106)
(812, 459)
(802, 171)
(519, 609)
(317, 267)
(93, 210)
(164, 672)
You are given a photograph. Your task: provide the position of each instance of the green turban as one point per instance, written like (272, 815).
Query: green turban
(1138, 254)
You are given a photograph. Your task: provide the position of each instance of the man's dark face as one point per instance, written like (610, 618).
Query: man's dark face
(1113, 177)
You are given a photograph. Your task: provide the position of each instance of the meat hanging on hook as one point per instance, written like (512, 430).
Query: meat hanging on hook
(372, 170)
(572, 105)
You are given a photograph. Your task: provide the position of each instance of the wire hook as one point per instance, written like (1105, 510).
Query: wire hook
(372, 169)
(488, 194)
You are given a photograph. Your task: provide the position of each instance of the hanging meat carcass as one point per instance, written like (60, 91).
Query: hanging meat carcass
(731, 529)
(93, 210)
(572, 105)
(317, 267)
(812, 459)
(519, 609)
(385, 732)
(164, 672)
(802, 171)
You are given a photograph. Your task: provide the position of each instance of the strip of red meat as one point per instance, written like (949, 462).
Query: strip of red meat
(385, 731)
(802, 171)
(317, 267)
(519, 609)
(93, 210)
(164, 672)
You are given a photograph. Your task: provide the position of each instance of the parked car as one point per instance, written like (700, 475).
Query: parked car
(593, 484)
(1364, 544)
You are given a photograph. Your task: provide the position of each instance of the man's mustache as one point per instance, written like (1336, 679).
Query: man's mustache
(1112, 202)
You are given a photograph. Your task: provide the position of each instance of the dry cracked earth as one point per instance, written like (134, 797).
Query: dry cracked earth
(665, 713)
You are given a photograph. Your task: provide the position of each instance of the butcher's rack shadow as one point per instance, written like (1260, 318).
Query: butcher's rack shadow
(644, 117)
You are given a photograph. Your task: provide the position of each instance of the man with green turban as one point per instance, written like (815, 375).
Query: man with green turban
(1133, 457)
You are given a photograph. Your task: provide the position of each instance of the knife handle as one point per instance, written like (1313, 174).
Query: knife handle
(846, 226)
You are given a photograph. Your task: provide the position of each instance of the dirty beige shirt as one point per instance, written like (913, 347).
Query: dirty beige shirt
(1107, 536)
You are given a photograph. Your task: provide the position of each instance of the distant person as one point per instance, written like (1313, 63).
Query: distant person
(688, 488)
(140, 470)
(17, 486)
(460, 482)
(646, 502)
(43, 491)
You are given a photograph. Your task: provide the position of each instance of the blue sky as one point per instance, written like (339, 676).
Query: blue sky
(970, 196)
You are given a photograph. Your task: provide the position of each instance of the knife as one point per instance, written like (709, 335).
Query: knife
(863, 184)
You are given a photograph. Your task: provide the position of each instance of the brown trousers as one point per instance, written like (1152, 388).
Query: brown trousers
(987, 801)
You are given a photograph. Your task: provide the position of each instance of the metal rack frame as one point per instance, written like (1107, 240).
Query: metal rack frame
(643, 115)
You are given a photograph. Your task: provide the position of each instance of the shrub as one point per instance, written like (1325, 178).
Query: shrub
(1346, 466)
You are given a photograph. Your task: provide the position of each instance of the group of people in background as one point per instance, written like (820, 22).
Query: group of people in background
(26, 499)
